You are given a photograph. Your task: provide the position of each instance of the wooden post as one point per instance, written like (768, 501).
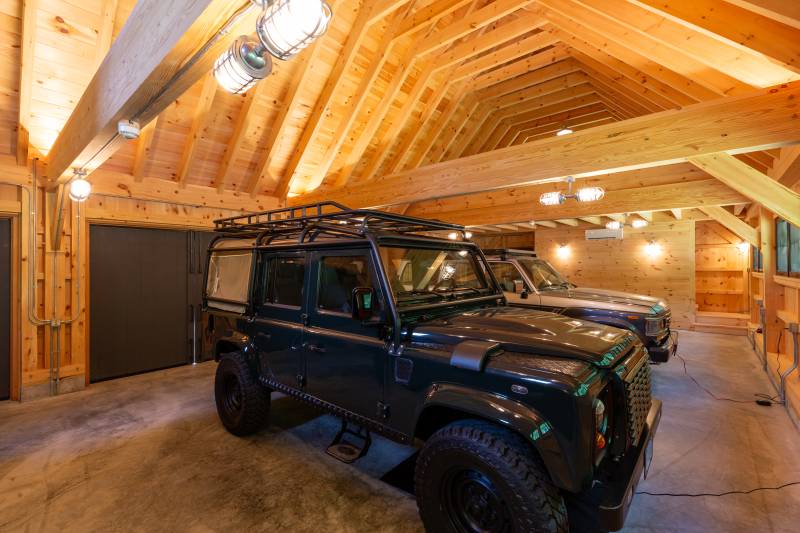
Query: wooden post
(773, 292)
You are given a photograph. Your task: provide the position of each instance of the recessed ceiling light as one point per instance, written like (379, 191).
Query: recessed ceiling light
(564, 131)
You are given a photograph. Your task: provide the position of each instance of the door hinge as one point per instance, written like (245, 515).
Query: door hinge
(383, 410)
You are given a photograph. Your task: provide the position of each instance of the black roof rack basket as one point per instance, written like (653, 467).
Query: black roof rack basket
(332, 219)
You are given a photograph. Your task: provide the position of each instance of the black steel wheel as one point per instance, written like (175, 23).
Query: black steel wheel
(475, 477)
(242, 402)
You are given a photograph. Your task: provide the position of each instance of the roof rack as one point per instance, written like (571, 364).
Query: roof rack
(504, 252)
(331, 219)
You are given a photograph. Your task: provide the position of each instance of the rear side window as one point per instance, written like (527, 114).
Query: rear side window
(228, 280)
(285, 281)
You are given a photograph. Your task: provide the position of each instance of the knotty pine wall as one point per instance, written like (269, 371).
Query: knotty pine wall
(624, 265)
(722, 270)
(30, 351)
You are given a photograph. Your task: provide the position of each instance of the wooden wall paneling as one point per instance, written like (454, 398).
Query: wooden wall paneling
(624, 264)
(721, 270)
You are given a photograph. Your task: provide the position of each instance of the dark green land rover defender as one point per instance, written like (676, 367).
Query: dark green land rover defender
(527, 420)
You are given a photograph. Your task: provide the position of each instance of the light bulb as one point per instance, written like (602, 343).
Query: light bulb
(288, 26)
(562, 251)
(241, 66)
(79, 189)
(551, 198)
(563, 131)
(639, 223)
(590, 194)
(467, 234)
(614, 224)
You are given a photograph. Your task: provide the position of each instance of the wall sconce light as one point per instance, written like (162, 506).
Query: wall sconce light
(743, 247)
(467, 234)
(584, 194)
(652, 249)
(562, 251)
(79, 187)
(452, 235)
(639, 223)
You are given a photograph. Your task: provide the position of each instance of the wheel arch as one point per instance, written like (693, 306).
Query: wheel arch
(448, 403)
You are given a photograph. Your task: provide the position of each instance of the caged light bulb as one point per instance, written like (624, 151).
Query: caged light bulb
(288, 26)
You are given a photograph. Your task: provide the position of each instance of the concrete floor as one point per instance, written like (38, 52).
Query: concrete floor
(147, 453)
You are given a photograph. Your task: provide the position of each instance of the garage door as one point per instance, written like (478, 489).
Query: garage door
(5, 308)
(144, 299)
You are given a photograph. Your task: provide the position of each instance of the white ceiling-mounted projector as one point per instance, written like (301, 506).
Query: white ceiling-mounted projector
(128, 129)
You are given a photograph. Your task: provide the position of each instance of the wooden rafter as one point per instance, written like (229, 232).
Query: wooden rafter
(240, 128)
(277, 131)
(29, 10)
(143, 148)
(346, 58)
(207, 91)
(733, 223)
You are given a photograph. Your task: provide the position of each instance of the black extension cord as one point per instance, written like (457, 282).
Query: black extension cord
(762, 399)
(716, 494)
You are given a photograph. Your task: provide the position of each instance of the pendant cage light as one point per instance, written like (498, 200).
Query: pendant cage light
(242, 65)
(288, 26)
(584, 194)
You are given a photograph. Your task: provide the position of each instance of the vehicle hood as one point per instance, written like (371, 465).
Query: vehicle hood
(529, 331)
(612, 300)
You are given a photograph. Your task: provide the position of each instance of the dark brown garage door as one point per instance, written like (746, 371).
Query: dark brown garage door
(144, 299)
(5, 308)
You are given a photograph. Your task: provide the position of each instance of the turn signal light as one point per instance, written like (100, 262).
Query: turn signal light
(600, 441)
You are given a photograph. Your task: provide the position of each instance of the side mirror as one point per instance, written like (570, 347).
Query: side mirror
(524, 294)
(363, 302)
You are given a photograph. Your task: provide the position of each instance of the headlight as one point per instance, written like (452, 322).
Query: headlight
(654, 326)
(600, 424)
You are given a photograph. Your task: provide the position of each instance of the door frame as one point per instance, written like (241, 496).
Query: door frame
(14, 307)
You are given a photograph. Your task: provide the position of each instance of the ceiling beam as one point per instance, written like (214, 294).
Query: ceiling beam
(148, 67)
(658, 139)
(120, 185)
(677, 213)
(595, 221)
(568, 221)
(779, 10)
(244, 118)
(752, 184)
(546, 223)
(745, 29)
(658, 197)
(738, 226)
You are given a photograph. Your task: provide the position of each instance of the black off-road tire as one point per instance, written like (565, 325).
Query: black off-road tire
(501, 469)
(242, 402)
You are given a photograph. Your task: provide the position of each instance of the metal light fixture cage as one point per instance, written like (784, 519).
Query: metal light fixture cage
(242, 65)
(584, 194)
(288, 26)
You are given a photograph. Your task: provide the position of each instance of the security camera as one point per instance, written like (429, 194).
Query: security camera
(128, 129)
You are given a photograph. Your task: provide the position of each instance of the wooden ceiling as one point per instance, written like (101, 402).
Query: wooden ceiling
(399, 85)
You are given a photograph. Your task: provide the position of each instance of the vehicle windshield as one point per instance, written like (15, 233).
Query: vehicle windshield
(427, 275)
(543, 276)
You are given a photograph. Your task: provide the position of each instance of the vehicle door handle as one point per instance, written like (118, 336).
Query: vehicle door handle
(315, 348)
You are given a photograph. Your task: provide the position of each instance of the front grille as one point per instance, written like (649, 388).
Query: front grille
(638, 398)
